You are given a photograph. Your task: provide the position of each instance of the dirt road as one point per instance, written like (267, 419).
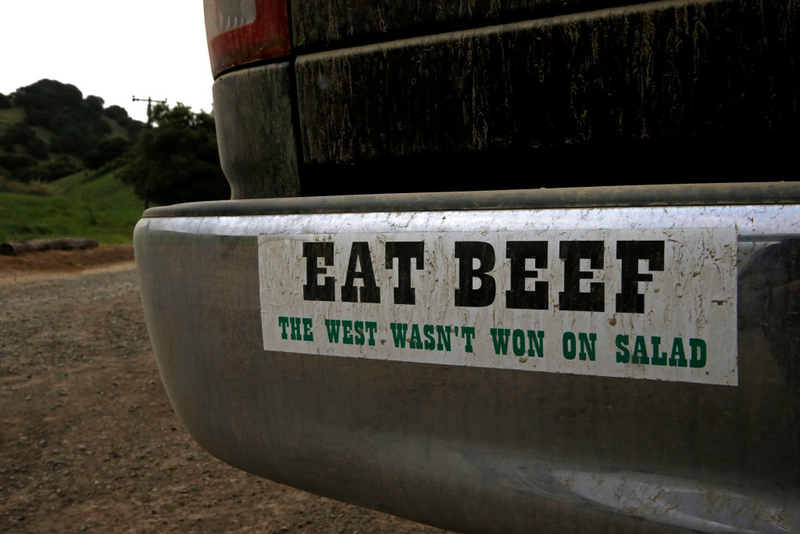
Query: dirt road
(88, 441)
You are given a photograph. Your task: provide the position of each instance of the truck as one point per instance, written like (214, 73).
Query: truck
(521, 266)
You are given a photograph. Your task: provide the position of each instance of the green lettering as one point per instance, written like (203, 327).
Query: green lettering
(659, 358)
(358, 326)
(698, 353)
(536, 343)
(623, 354)
(518, 342)
(568, 345)
(332, 327)
(430, 343)
(308, 335)
(587, 345)
(416, 338)
(468, 334)
(500, 339)
(640, 351)
(347, 332)
(399, 331)
(372, 327)
(443, 333)
(294, 324)
(283, 323)
(678, 356)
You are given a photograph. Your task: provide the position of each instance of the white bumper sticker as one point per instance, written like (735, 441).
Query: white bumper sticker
(654, 304)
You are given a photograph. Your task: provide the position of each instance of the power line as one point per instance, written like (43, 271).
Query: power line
(150, 102)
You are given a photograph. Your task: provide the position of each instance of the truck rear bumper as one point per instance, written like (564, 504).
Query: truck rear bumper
(475, 447)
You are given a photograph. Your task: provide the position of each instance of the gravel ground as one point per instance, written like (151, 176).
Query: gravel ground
(88, 441)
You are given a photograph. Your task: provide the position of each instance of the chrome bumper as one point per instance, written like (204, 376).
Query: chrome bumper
(473, 448)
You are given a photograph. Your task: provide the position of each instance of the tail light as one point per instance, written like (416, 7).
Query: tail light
(242, 31)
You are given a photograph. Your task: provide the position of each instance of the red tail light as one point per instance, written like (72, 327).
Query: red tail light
(242, 31)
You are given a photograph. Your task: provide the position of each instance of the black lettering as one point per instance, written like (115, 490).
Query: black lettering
(467, 294)
(403, 252)
(312, 290)
(629, 300)
(572, 298)
(369, 292)
(518, 297)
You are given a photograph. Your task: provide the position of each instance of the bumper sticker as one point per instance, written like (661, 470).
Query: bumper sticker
(648, 304)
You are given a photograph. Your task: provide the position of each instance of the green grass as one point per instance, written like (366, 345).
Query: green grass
(80, 205)
(39, 189)
(11, 115)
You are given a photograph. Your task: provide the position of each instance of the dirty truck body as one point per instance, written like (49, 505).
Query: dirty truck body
(505, 267)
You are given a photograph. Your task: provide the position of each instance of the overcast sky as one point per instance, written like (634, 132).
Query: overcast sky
(108, 48)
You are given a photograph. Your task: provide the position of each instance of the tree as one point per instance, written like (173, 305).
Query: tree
(95, 105)
(77, 124)
(120, 116)
(63, 130)
(45, 101)
(17, 134)
(176, 159)
(47, 171)
(107, 151)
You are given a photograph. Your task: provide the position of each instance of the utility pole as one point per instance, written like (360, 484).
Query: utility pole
(149, 105)
(150, 102)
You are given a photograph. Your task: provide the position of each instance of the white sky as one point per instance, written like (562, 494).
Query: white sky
(110, 49)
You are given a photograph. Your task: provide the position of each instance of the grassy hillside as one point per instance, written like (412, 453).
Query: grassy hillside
(49, 130)
(9, 117)
(80, 205)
